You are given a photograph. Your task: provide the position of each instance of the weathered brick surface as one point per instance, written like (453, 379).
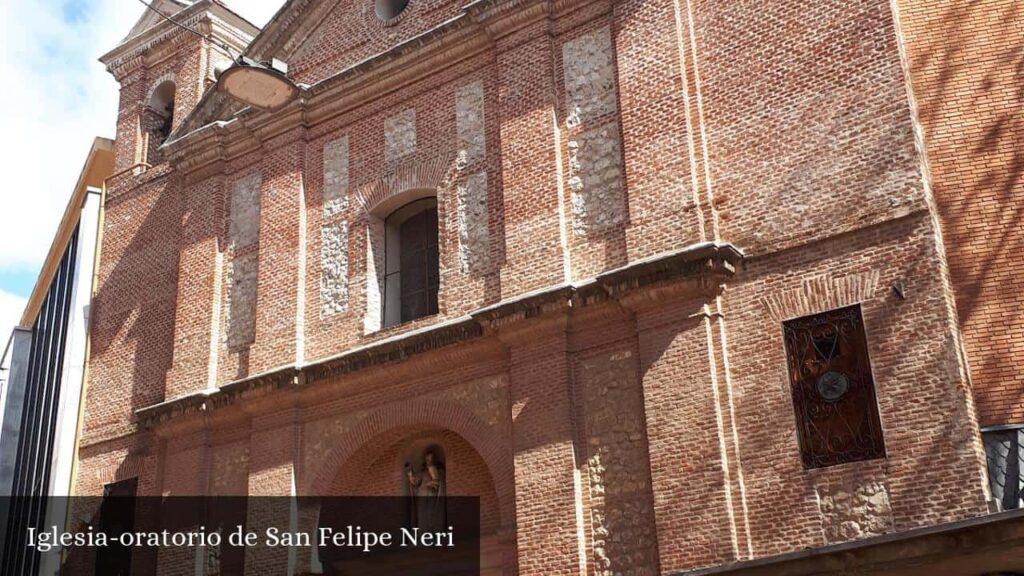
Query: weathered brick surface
(133, 313)
(965, 64)
(924, 400)
(809, 136)
(349, 32)
(642, 432)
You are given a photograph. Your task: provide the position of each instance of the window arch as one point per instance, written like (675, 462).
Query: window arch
(411, 262)
(158, 119)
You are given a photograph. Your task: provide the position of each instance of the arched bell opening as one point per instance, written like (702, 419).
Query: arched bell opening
(158, 120)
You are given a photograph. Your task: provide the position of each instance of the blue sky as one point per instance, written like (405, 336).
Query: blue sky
(19, 281)
(57, 97)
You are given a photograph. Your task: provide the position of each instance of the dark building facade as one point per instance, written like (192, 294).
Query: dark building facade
(46, 362)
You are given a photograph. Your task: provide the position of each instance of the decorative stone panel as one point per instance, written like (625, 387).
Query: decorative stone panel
(854, 511)
(242, 277)
(469, 120)
(474, 237)
(400, 135)
(334, 269)
(588, 63)
(335, 176)
(324, 434)
(596, 180)
(620, 506)
(245, 211)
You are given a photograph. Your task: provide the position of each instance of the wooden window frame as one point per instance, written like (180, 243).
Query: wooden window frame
(834, 395)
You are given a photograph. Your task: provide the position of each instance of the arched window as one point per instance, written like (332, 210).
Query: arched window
(158, 119)
(411, 262)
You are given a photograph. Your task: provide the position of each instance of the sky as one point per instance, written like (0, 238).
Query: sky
(56, 98)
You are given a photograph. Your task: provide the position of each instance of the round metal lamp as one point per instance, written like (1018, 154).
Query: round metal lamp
(258, 85)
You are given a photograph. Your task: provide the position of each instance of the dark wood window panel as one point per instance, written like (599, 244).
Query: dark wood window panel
(419, 265)
(833, 389)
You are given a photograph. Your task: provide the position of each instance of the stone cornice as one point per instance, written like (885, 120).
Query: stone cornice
(990, 539)
(158, 42)
(280, 27)
(687, 272)
(503, 18)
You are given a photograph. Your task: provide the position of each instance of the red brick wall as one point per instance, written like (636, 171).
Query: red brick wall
(923, 400)
(966, 62)
(133, 313)
(433, 101)
(185, 66)
(807, 119)
(651, 433)
(351, 32)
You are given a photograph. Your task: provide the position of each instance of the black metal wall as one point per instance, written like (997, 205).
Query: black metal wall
(39, 418)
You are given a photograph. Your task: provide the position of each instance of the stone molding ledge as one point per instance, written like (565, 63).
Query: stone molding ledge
(994, 543)
(704, 267)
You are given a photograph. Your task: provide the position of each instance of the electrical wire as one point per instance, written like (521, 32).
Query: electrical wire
(183, 27)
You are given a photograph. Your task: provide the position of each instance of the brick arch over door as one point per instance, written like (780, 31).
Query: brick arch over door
(488, 442)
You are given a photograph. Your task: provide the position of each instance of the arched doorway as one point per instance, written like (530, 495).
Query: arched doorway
(427, 469)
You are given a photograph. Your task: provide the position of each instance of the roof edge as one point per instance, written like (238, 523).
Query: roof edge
(139, 41)
(98, 166)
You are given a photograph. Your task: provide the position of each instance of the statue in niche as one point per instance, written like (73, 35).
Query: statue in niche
(427, 493)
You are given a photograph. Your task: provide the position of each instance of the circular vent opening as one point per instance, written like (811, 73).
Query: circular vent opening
(390, 9)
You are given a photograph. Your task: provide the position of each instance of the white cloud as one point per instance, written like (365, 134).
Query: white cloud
(11, 308)
(56, 98)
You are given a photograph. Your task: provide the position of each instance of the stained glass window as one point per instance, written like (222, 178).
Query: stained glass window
(833, 389)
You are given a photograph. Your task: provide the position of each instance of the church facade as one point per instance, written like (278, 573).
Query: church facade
(663, 283)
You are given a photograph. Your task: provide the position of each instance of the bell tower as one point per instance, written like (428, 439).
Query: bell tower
(165, 66)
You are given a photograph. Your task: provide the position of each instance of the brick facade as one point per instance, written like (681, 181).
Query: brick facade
(966, 68)
(633, 196)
